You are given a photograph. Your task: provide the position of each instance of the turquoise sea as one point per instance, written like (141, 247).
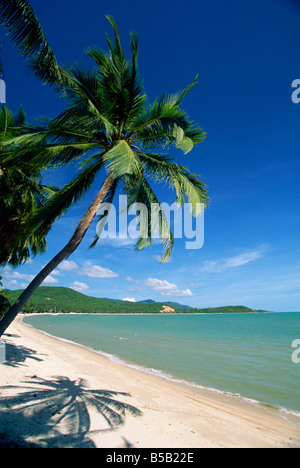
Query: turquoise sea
(246, 355)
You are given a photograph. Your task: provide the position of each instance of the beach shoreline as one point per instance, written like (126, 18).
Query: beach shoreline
(162, 374)
(168, 414)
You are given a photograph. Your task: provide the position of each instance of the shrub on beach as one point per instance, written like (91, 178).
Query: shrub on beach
(4, 301)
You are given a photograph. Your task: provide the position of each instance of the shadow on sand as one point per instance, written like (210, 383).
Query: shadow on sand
(16, 356)
(55, 413)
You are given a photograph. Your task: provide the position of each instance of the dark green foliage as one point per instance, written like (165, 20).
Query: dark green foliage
(22, 194)
(65, 300)
(4, 303)
(4, 300)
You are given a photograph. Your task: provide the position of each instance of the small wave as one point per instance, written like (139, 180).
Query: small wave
(284, 412)
(164, 375)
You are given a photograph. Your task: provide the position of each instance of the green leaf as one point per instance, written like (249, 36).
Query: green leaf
(188, 186)
(122, 160)
(150, 222)
(186, 144)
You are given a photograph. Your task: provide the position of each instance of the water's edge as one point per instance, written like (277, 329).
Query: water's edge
(284, 412)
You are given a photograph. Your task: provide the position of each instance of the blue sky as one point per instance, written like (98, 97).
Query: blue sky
(247, 56)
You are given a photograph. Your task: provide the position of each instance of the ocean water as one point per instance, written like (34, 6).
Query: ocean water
(246, 355)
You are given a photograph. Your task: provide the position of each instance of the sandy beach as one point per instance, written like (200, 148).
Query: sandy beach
(58, 394)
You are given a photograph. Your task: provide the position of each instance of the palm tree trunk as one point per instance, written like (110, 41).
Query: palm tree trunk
(62, 255)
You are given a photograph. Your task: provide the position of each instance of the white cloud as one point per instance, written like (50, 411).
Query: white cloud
(133, 290)
(16, 275)
(128, 278)
(129, 299)
(13, 276)
(68, 265)
(118, 242)
(132, 280)
(77, 286)
(232, 262)
(56, 273)
(242, 259)
(96, 271)
(165, 288)
(13, 283)
(50, 280)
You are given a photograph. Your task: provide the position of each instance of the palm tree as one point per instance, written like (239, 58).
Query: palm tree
(109, 125)
(22, 195)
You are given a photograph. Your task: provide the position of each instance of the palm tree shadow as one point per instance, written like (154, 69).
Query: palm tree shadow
(55, 413)
(16, 355)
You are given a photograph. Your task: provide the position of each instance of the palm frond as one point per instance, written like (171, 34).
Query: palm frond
(120, 80)
(188, 186)
(84, 90)
(186, 140)
(159, 125)
(177, 98)
(45, 156)
(115, 47)
(27, 34)
(153, 221)
(122, 160)
(20, 117)
(6, 122)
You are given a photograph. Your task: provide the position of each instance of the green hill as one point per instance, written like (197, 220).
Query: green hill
(65, 300)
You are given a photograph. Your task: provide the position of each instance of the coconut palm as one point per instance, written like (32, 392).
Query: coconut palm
(22, 194)
(109, 126)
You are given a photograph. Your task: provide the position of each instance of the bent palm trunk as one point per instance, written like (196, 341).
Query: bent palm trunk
(62, 255)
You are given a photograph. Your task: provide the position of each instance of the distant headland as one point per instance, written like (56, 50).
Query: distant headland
(54, 299)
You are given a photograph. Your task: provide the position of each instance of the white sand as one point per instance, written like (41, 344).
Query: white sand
(47, 387)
